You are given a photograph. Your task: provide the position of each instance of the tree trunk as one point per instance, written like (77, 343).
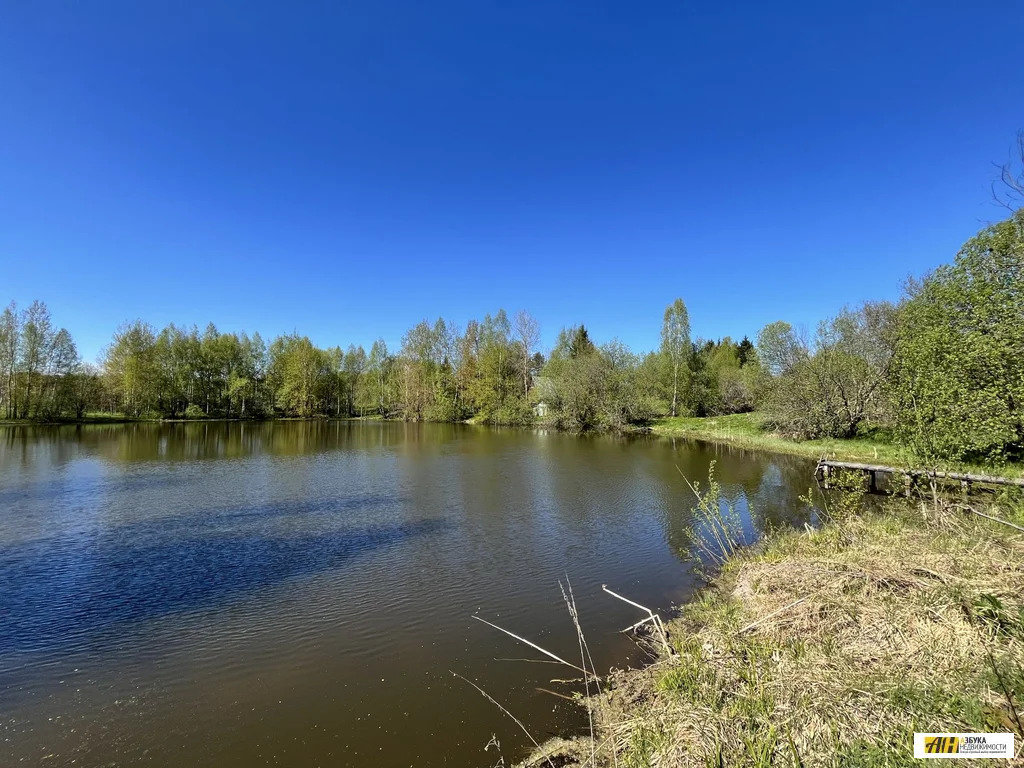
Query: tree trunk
(675, 388)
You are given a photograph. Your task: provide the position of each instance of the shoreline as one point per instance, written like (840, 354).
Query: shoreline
(744, 431)
(144, 420)
(829, 646)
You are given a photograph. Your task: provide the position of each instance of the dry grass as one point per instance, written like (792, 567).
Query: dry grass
(830, 647)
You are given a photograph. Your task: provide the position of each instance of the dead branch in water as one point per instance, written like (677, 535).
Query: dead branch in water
(587, 667)
(652, 617)
(559, 695)
(532, 645)
(495, 703)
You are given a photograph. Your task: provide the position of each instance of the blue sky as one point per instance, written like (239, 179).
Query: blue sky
(346, 170)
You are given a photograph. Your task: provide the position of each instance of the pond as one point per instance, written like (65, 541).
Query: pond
(300, 593)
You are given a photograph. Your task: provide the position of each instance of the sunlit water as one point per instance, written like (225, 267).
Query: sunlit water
(299, 593)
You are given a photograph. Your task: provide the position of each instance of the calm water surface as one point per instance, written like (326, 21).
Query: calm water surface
(298, 593)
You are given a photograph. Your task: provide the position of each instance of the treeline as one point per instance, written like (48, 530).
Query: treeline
(491, 371)
(41, 375)
(943, 369)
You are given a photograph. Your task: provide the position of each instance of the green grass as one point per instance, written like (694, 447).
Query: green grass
(746, 430)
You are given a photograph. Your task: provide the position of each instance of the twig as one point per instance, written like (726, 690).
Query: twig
(989, 517)
(497, 745)
(495, 703)
(559, 695)
(639, 623)
(653, 617)
(532, 645)
(570, 603)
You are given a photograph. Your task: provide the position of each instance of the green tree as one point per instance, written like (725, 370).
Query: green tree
(85, 389)
(34, 355)
(745, 351)
(63, 364)
(779, 349)
(129, 364)
(355, 365)
(732, 385)
(592, 388)
(10, 339)
(958, 386)
(300, 376)
(627, 398)
(418, 364)
(496, 391)
(377, 382)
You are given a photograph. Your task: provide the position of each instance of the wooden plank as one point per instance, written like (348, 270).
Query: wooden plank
(969, 477)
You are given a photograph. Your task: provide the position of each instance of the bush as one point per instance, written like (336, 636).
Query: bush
(194, 412)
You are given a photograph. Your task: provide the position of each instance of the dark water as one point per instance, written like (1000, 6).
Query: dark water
(298, 593)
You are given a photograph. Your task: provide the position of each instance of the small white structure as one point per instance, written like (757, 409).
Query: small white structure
(542, 393)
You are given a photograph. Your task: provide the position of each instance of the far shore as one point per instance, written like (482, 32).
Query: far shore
(741, 430)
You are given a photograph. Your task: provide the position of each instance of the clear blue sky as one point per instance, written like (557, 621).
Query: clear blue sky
(347, 169)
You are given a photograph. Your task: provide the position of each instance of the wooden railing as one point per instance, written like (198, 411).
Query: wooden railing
(826, 466)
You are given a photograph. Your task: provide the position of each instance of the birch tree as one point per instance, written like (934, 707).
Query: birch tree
(528, 335)
(675, 345)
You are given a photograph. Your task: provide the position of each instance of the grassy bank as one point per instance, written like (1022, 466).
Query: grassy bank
(832, 646)
(746, 430)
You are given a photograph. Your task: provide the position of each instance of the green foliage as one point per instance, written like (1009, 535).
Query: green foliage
(988, 610)
(959, 375)
(594, 388)
(779, 349)
(300, 377)
(838, 386)
(579, 375)
(716, 528)
(130, 367)
(193, 411)
(498, 367)
(38, 364)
